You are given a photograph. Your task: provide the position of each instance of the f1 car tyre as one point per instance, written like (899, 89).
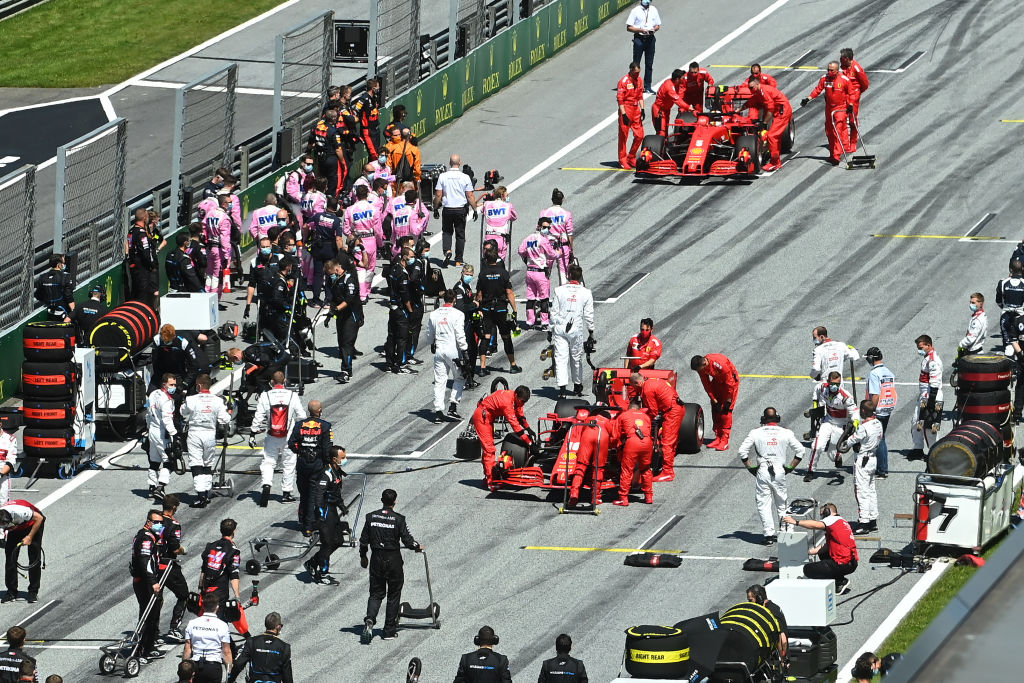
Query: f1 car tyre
(566, 407)
(753, 145)
(515, 448)
(499, 383)
(691, 429)
(984, 373)
(988, 406)
(655, 143)
(788, 141)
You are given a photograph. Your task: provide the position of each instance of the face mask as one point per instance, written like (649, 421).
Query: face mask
(817, 341)
(833, 389)
(290, 250)
(219, 185)
(643, 334)
(974, 307)
(645, 3)
(265, 251)
(170, 390)
(467, 278)
(922, 352)
(369, 176)
(334, 276)
(382, 160)
(308, 168)
(156, 527)
(412, 260)
(545, 231)
(282, 222)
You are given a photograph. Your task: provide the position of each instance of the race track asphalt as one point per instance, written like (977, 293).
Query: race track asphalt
(742, 269)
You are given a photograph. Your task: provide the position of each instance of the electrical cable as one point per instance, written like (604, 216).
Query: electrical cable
(867, 594)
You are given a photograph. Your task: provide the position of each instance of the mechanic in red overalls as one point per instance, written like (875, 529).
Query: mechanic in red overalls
(722, 382)
(585, 441)
(660, 400)
(633, 427)
(630, 96)
(644, 349)
(668, 96)
(766, 79)
(859, 82)
(837, 89)
(502, 403)
(693, 86)
(776, 107)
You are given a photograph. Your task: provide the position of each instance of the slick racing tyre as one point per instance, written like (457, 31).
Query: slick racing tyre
(566, 407)
(788, 141)
(984, 373)
(691, 429)
(988, 406)
(753, 145)
(651, 149)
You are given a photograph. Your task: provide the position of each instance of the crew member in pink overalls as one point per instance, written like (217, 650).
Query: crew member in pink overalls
(406, 215)
(217, 225)
(540, 255)
(498, 214)
(363, 220)
(561, 232)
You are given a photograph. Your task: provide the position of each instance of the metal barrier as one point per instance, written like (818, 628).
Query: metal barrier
(17, 205)
(302, 74)
(394, 50)
(204, 130)
(469, 26)
(90, 199)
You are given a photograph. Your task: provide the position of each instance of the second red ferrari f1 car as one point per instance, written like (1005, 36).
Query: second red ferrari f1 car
(719, 141)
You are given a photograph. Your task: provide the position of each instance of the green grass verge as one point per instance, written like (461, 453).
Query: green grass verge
(77, 43)
(930, 605)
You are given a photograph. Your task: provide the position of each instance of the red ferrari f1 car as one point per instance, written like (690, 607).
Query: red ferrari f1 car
(720, 141)
(551, 462)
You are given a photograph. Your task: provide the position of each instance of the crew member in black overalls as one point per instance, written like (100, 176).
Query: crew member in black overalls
(326, 237)
(367, 110)
(400, 306)
(483, 665)
(465, 301)
(219, 574)
(346, 307)
(181, 271)
(383, 531)
(327, 497)
(562, 668)
(417, 274)
(275, 302)
(146, 580)
(172, 353)
(169, 548)
(56, 290)
(497, 303)
(311, 441)
(142, 261)
(89, 313)
(268, 658)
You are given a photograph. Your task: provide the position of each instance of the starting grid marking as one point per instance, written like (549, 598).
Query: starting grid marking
(171, 85)
(970, 236)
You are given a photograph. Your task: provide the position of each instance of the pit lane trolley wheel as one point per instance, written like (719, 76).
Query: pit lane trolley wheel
(107, 664)
(691, 429)
(788, 141)
(132, 667)
(414, 671)
(499, 383)
(66, 471)
(273, 562)
(753, 145)
(252, 567)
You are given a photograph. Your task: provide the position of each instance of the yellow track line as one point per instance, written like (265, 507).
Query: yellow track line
(1011, 120)
(602, 168)
(602, 550)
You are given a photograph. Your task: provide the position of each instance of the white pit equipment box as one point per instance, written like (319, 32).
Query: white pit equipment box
(805, 602)
(190, 311)
(965, 512)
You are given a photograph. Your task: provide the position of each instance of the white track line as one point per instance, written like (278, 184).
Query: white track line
(47, 104)
(876, 639)
(107, 94)
(172, 85)
(31, 616)
(657, 531)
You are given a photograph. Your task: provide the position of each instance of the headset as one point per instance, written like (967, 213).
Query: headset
(486, 636)
(770, 419)
(825, 510)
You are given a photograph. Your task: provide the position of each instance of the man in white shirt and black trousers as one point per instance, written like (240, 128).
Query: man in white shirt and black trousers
(208, 642)
(454, 196)
(643, 22)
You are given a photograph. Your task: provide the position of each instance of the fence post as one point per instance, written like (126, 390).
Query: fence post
(179, 125)
(371, 46)
(278, 82)
(453, 30)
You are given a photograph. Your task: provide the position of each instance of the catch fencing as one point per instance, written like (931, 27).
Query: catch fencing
(302, 75)
(17, 205)
(204, 129)
(90, 199)
(394, 33)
